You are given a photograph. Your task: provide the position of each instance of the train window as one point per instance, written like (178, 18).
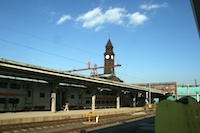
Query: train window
(14, 86)
(87, 92)
(102, 102)
(2, 100)
(87, 101)
(3, 85)
(72, 96)
(13, 100)
(98, 93)
(98, 102)
(29, 93)
(42, 95)
(107, 102)
(79, 96)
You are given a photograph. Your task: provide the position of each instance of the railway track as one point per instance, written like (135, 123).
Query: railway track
(75, 125)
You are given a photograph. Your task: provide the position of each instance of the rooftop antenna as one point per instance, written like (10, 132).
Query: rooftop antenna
(195, 82)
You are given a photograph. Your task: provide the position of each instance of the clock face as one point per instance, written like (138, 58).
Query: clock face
(111, 56)
(107, 56)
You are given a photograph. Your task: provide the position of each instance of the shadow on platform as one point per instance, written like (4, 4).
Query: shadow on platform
(139, 126)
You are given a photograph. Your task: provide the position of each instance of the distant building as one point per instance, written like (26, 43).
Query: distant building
(189, 90)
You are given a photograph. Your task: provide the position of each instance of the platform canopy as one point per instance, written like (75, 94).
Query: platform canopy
(17, 69)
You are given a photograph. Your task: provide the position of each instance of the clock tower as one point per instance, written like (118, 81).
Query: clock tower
(109, 59)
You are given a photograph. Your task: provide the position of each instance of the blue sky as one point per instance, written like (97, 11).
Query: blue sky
(154, 40)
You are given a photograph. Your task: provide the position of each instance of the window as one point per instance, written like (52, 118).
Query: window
(98, 102)
(3, 85)
(13, 100)
(87, 101)
(42, 95)
(2, 100)
(29, 93)
(107, 102)
(98, 93)
(87, 92)
(72, 96)
(79, 96)
(14, 86)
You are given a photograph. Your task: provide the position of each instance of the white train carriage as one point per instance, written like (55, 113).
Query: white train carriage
(37, 96)
(11, 93)
(26, 95)
(106, 99)
(81, 97)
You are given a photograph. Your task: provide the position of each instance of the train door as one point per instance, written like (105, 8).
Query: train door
(80, 100)
(63, 98)
(29, 97)
(3, 104)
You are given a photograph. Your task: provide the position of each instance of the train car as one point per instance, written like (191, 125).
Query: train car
(81, 97)
(11, 94)
(106, 99)
(37, 96)
(29, 95)
(17, 95)
(72, 94)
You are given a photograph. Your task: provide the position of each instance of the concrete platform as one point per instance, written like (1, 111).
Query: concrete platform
(39, 116)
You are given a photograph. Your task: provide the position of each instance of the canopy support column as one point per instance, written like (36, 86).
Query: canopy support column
(54, 86)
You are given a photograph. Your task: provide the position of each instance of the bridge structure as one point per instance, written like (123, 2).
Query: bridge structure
(53, 77)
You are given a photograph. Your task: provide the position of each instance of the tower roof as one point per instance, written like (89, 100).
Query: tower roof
(109, 44)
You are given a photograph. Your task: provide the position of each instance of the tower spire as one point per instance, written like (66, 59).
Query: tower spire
(109, 58)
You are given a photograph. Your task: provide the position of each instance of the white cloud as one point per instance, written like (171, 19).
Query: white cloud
(96, 18)
(91, 18)
(137, 18)
(115, 15)
(153, 6)
(99, 28)
(63, 19)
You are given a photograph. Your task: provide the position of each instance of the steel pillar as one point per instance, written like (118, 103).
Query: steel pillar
(93, 102)
(118, 102)
(54, 86)
(93, 90)
(134, 101)
(53, 102)
(197, 97)
(147, 97)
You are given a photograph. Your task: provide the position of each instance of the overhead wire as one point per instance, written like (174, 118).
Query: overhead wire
(48, 40)
(50, 62)
(39, 50)
(132, 76)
